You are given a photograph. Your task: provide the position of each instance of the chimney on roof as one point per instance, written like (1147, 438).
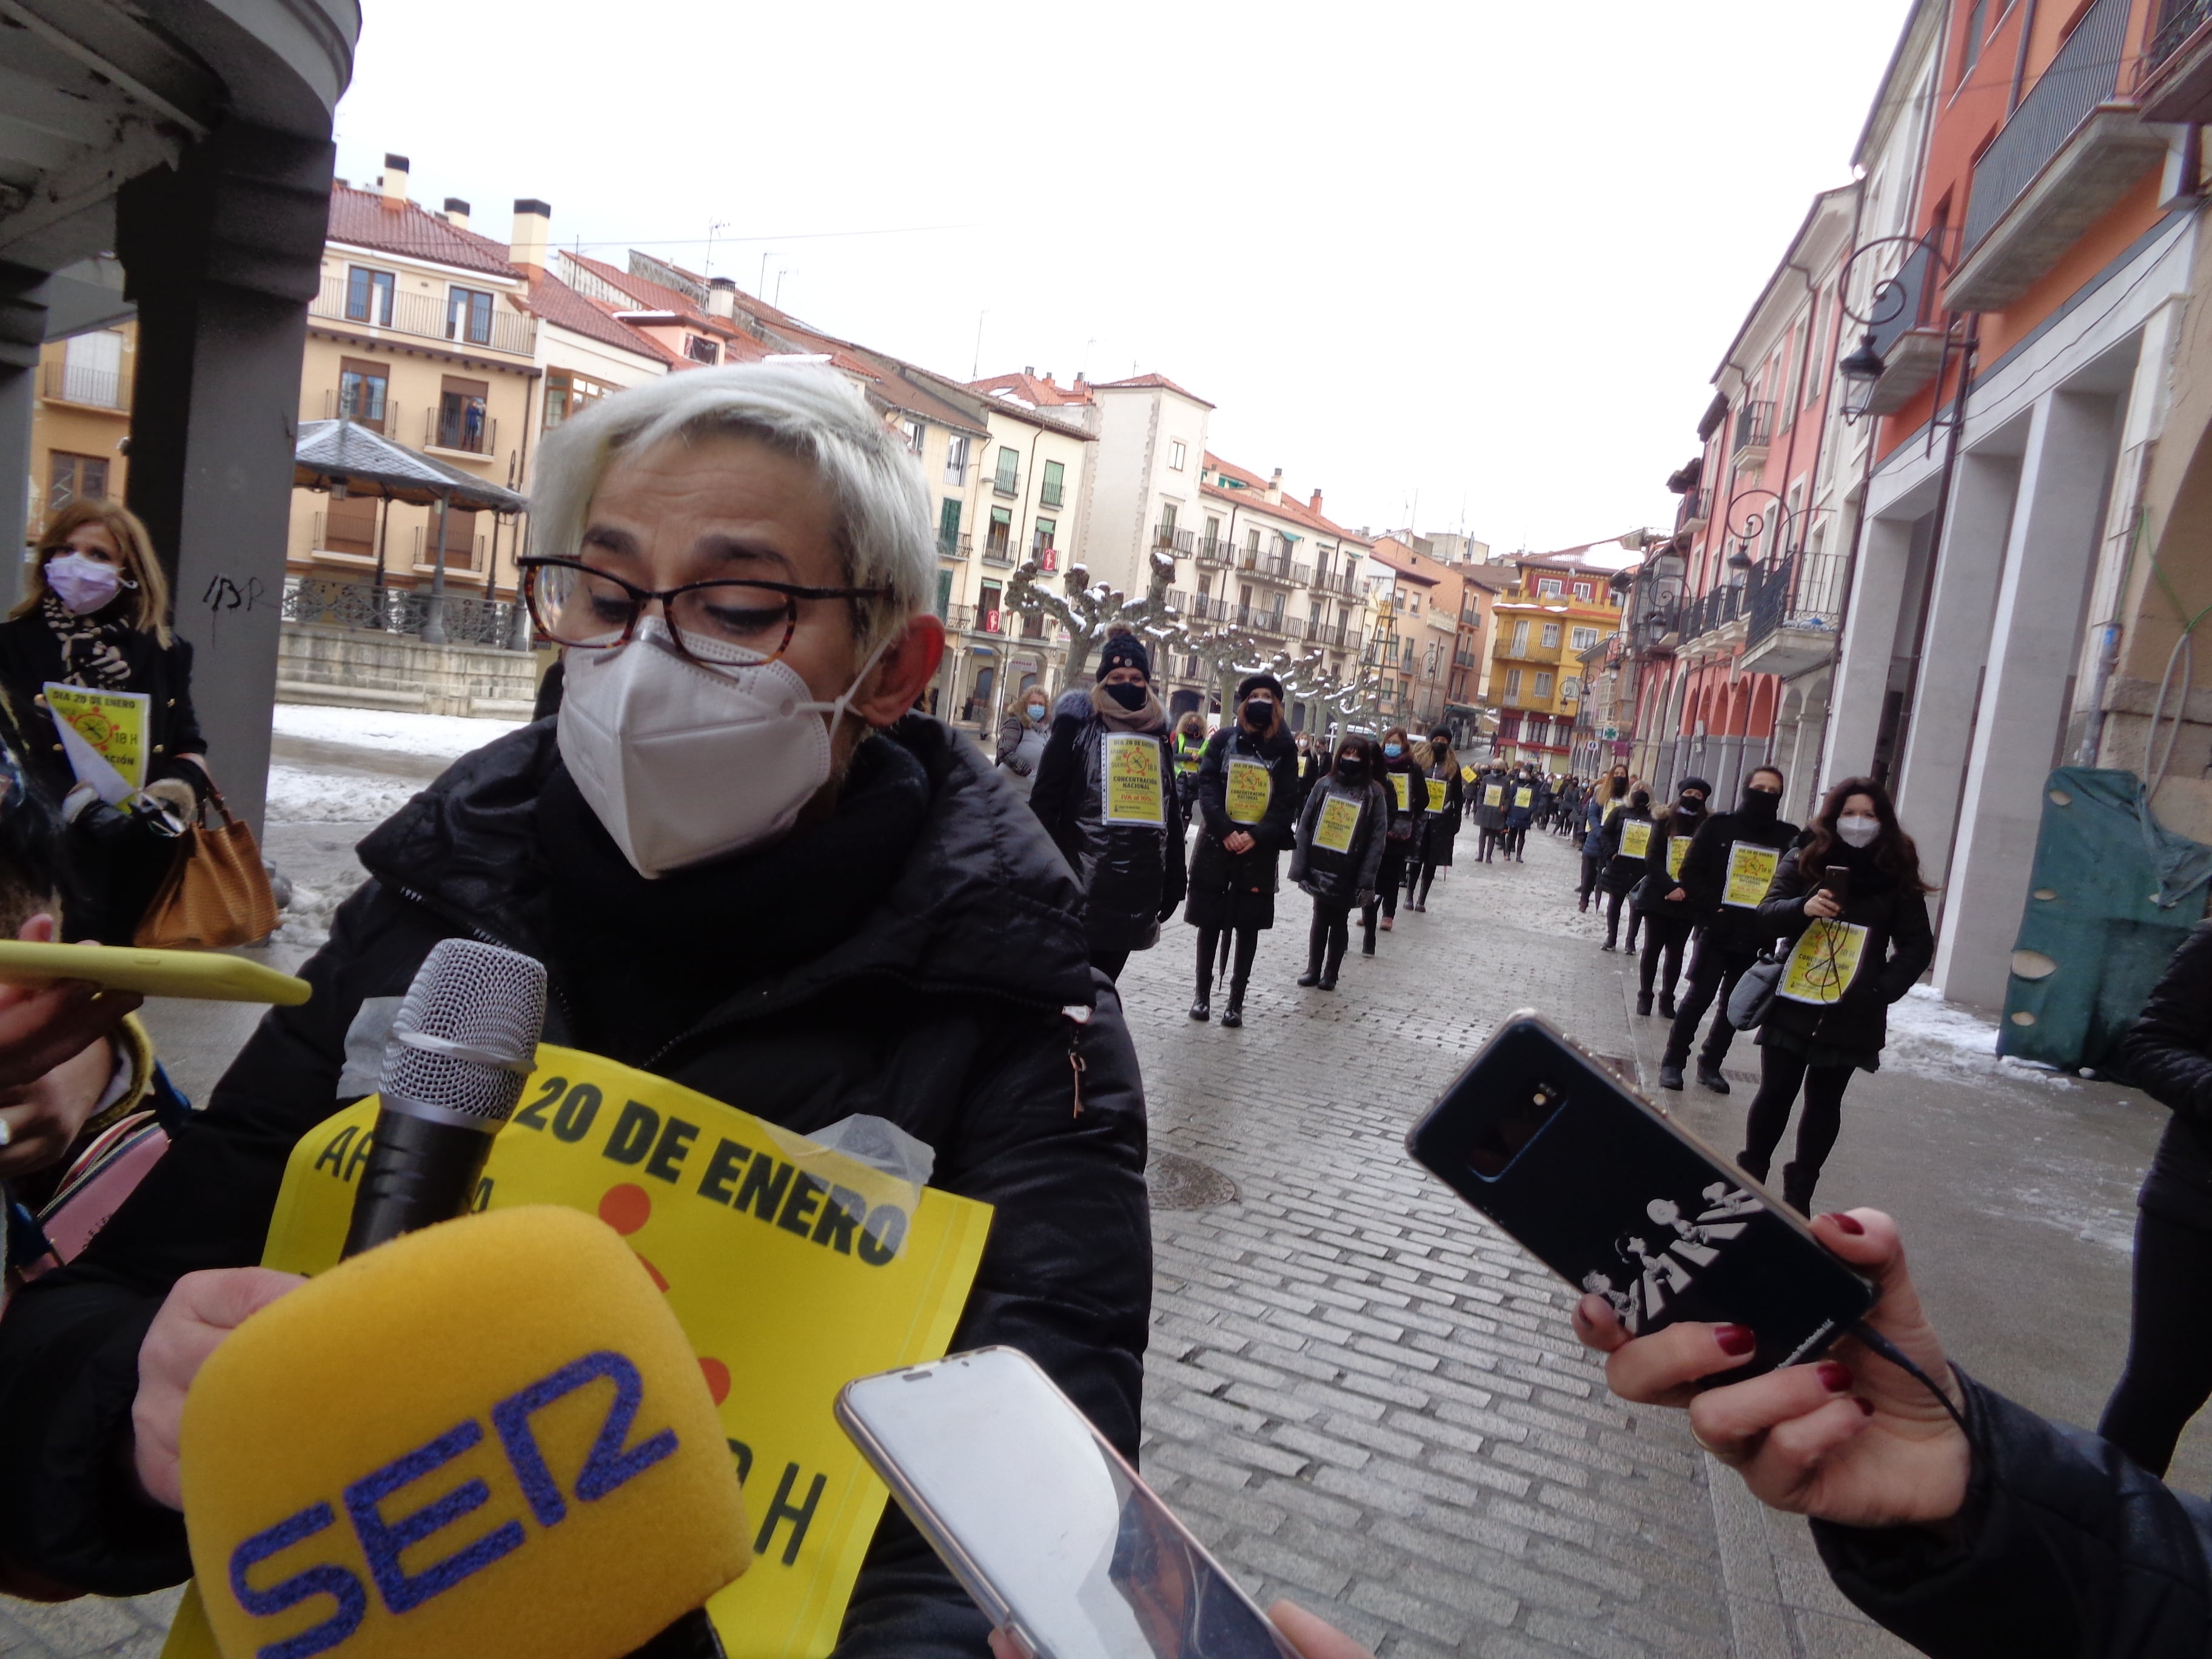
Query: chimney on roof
(393, 183)
(533, 231)
(721, 296)
(457, 212)
(1275, 488)
(1030, 369)
(1315, 505)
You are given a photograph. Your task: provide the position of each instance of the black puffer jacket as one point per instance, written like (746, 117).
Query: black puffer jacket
(1440, 829)
(1237, 889)
(1620, 871)
(1405, 773)
(1331, 877)
(2063, 1548)
(1898, 949)
(2168, 1055)
(1132, 875)
(1728, 927)
(942, 1009)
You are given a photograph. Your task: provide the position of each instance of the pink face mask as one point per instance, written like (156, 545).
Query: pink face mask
(83, 585)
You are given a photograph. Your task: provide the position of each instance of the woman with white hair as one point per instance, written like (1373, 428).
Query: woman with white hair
(750, 869)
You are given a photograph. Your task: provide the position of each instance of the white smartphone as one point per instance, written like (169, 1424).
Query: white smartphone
(1043, 1522)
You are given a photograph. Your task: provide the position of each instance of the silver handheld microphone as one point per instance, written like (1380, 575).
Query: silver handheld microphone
(461, 1047)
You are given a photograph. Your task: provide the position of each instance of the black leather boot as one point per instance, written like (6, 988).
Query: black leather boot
(1752, 1164)
(1233, 1015)
(1797, 1183)
(1328, 968)
(1644, 1003)
(1665, 1005)
(1316, 938)
(1709, 1077)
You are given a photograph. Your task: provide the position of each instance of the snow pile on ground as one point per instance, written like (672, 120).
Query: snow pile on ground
(1940, 1039)
(307, 919)
(314, 794)
(441, 736)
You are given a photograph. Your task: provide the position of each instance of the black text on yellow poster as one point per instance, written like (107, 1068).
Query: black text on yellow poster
(1132, 791)
(1246, 789)
(1340, 821)
(1493, 794)
(1825, 962)
(1438, 788)
(1524, 796)
(1750, 873)
(1398, 792)
(1678, 848)
(1635, 839)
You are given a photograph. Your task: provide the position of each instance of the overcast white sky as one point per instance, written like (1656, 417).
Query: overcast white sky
(1486, 253)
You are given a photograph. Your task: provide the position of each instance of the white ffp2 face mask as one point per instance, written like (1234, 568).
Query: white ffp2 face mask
(1858, 831)
(683, 764)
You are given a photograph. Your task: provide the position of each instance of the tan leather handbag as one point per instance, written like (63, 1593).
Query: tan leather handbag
(215, 895)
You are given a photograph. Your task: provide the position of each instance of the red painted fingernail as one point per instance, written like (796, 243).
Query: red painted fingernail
(1735, 1340)
(1835, 1376)
(1865, 1405)
(1849, 1224)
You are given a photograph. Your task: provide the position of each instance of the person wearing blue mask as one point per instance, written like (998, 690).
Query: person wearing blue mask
(1407, 787)
(1022, 739)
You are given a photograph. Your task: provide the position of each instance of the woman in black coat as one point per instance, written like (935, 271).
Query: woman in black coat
(96, 614)
(1624, 857)
(1247, 804)
(1399, 773)
(1440, 826)
(2168, 1055)
(1661, 899)
(1130, 863)
(1831, 1017)
(1338, 855)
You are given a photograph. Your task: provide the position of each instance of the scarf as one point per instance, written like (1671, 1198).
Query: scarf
(1147, 717)
(92, 653)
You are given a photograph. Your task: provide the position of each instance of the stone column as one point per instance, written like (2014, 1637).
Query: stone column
(1952, 652)
(222, 256)
(22, 328)
(1862, 675)
(2031, 652)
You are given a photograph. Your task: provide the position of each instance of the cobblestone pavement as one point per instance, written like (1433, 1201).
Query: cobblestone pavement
(1365, 1399)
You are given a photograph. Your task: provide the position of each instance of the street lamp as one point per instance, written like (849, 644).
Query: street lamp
(1861, 372)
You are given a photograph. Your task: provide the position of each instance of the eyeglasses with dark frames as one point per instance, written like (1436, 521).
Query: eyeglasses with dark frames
(576, 605)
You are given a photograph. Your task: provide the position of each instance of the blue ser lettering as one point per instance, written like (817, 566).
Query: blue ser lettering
(607, 1464)
(382, 1541)
(329, 1579)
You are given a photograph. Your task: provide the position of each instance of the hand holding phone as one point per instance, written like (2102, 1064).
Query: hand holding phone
(1837, 879)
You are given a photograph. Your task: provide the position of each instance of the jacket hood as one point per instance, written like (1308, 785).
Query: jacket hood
(984, 902)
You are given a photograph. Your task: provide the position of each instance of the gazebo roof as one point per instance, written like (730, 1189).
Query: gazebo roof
(373, 465)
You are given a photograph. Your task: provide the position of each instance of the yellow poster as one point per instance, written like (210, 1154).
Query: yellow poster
(1610, 807)
(1131, 792)
(1339, 819)
(1493, 794)
(1247, 789)
(1524, 796)
(793, 1269)
(111, 724)
(1750, 873)
(1678, 848)
(1398, 792)
(1824, 963)
(1438, 788)
(1635, 839)
(1467, 774)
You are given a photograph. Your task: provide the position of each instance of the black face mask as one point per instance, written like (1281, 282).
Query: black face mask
(1260, 715)
(1759, 806)
(1619, 787)
(1689, 809)
(1351, 768)
(1130, 697)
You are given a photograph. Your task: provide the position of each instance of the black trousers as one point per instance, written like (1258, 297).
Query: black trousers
(2169, 1371)
(1209, 951)
(1591, 862)
(1387, 880)
(1109, 963)
(1516, 839)
(1663, 936)
(1781, 1074)
(1613, 903)
(1328, 938)
(1427, 872)
(1486, 849)
(1714, 970)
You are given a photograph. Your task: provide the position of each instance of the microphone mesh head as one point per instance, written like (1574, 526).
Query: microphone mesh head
(479, 997)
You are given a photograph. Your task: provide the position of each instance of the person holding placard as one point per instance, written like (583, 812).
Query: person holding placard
(1338, 855)
(1850, 908)
(1731, 864)
(1488, 794)
(1661, 899)
(1598, 809)
(1248, 805)
(102, 691)
(1105, 791)
(1519, 811)
(1400, 774)
(1624, 855)
(1440, 827)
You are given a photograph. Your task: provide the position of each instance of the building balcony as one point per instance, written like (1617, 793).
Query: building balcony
(1911, 350)
(1712, 620)
(954, 546)
(959, 618)
(999, 552)
(87, 388)
(2071, 151)
(447, 434)
(1050, 499)
(1793, 614)
(1344, 584)
(1045, 555)
(1268, 567)
(1753, 434)
(1166, 538)
(1003, 484)
(2175, 77)
(1695, 512)
(425, 317)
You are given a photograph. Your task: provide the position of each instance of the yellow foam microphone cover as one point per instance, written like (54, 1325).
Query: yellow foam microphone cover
(488, 1438)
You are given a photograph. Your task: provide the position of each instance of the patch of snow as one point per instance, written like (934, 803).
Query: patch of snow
(308, 795)
(441, 737)
(307, 920)
(1940, 1039)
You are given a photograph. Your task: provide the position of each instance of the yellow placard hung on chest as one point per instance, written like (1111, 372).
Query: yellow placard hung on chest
(1438, 789)
(1340, 821)
(1400, 793)
(1493, 794)
(1132, 791)
(1635, 839)
(1678, 848)
(1524, 796)
(1750, 873)
(1246, 789)
(1824, 963)
(792, 1268)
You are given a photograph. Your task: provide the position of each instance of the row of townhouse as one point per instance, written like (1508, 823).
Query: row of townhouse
(1944, 526)
(1559, 609)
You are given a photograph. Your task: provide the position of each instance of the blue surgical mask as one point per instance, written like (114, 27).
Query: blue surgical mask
(1393, 750)
(1037, 712)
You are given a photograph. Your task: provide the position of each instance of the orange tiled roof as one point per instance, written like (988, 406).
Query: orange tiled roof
(1038, 393)
(365, 219)
(1160, 380)
(1254, 494)
(553, 300)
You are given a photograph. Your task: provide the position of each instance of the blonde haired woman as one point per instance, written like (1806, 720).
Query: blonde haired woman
(95, 613)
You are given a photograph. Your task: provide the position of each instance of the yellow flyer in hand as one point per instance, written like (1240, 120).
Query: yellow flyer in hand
(1467, 774)
(1340, 819)
(1524, 796)
(1247, 787)
(1131, 789)
(1750, 873)
(1399, 790)
(1493, 794)
(110, 725)
(1437, 790)
(1825, 962)
(1635, 839)
(1678, 848)
(792, 1267)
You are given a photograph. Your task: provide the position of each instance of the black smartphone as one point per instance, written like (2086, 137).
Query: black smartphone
(1605, 1191)
(1837, 878)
